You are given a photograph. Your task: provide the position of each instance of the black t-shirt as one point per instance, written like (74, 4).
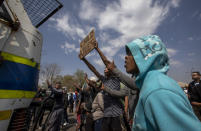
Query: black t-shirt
(58, 97)
(88, 97)
(65, 99)
(194, 90)
(71, 101)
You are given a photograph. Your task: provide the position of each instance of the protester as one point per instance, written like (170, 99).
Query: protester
(42, 95)
(162, 103)
(94, 117)
(66, 103)
(113, 108)
(71, 101)
(130, 103)
(133, 96)
(37, 102)
(132, 93)
(194, 93)
(88, 93)
(79, 111)
(38, 107)
(76, 97)
(80, 108)
(55, 119)
(98, 111)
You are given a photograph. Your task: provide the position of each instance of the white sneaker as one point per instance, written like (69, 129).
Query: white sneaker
(65, 123)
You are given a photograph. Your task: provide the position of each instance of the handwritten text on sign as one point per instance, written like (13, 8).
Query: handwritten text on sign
(87, 44)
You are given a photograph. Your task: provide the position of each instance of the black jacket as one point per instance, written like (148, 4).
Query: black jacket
(58, 97)
(194, 91)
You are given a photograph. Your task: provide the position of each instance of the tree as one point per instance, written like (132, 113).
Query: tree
(79, 76)
(49, 72)
(68, 81)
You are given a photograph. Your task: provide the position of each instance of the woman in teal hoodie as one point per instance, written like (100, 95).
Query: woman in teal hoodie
(162, 104)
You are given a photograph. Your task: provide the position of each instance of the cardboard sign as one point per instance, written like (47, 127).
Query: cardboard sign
(87, 44)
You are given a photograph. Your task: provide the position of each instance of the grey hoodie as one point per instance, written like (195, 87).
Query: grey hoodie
(98, 107)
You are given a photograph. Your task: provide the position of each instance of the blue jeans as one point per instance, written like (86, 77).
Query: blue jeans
(98, 124)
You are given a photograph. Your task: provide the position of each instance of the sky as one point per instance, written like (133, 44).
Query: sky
(116, 23)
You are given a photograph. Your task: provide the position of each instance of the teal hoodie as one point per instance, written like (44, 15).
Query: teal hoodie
(162, 104)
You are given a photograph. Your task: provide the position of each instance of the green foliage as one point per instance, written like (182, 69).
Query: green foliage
(67, 80)
(79, 76)
(50, 72)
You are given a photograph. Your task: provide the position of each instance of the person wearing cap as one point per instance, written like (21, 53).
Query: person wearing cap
(88, 93)
(162, 104)
(97, 105)
(56, 116)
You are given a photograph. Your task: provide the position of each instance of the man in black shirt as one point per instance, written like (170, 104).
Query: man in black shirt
(58, 109)
(71, 101)
(66, 103)
(194, 93)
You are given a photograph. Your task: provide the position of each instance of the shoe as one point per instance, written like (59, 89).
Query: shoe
(65, 123)
(40, 127)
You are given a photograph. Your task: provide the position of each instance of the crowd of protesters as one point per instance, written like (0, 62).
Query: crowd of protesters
(146, 100)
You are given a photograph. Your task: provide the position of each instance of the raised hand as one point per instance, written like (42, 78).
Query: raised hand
(102, 87)
(81, 58)
(111, 65)
(96, 45)
(75, 84)
(85, 76)
(48, 83)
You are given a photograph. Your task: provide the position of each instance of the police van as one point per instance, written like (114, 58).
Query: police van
(20, 54)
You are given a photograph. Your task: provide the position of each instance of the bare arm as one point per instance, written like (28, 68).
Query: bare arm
(77, 86)
(86, 79)
(78, 107)
(92, 68)
(126, 106)
(196, 103)
(104, 59)
(89, 82)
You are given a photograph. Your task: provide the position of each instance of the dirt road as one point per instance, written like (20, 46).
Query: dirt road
(69, 127)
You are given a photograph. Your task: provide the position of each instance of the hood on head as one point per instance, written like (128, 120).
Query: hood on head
(149, 53)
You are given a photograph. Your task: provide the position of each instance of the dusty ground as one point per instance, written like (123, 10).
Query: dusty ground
(70, 127)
